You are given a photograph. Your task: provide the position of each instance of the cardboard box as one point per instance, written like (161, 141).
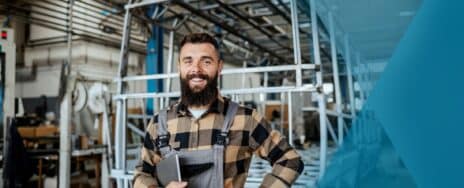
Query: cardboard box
(26, 132)
(31, 132)
(46, 131)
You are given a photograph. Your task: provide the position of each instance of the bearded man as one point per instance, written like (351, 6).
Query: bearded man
(214, 137)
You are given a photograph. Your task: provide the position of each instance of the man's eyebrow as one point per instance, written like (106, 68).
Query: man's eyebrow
(207, 57)
(186, 58)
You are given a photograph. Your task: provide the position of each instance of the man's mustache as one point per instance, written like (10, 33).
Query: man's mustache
(202, 76)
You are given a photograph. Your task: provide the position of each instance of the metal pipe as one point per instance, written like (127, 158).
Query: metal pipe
(279, 89)
(244, 65)
(224, 72)
(331, 131)
(338, 97)
(350, 76)
(120, 142)
(123, 138)
(65, 142)
(290, 119)
(143, 3)
(135, 129)
(265, 85)
(66, 111)
(296, 42)
(170, 59)
(320, 96)
(282, 109)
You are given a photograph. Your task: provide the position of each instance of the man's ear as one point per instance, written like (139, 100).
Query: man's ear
(221, 65)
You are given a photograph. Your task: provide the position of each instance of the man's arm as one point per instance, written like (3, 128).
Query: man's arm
(145, 171)
(273, 147)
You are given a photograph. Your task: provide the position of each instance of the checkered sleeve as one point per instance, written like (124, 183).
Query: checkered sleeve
(273, 147)
(145, 171)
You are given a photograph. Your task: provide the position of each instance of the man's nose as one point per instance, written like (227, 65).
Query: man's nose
(196, 66)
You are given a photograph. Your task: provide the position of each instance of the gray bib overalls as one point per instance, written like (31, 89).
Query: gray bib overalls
(204, 168)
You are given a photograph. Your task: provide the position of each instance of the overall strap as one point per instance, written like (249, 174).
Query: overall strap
(228, 119)
(163, 136)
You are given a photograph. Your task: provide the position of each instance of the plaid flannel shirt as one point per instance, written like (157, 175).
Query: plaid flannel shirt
(249, 134)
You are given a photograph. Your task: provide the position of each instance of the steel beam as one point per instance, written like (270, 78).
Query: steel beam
(278, 68)
(120, 141)
(66, 110)
(290, 119)
(349, 75)
(278, 89)
(331, 131)
(143, 3)
(296, 42)
(170, 61)
(338, 96)
(320, 96)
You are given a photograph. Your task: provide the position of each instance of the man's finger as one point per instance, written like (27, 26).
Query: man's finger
(176, 184)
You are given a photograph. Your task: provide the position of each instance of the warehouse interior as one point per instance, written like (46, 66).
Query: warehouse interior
(80, 80)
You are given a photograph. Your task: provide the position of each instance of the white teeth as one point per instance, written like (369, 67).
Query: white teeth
(197, 79)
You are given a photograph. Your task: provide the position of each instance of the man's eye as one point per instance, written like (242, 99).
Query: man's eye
(207, 62)
(187, 62)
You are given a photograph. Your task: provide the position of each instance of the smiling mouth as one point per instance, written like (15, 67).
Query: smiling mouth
(197, 79)
(197, 82)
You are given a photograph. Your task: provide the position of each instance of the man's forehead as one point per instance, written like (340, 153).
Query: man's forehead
(197, 48)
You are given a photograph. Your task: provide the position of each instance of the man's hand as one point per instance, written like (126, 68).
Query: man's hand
(176, 184)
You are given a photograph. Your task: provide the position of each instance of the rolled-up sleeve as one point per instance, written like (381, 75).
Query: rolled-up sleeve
(145, 171)
(273, 147)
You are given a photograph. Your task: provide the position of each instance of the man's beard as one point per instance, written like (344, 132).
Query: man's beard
(197, 96)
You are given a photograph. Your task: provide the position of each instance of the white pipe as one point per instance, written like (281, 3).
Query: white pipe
(338, 97)
(66, 111)
(278, 68)
(296, 41)
(170, 61)
(278, 89)
(320, 96)
(290, 119)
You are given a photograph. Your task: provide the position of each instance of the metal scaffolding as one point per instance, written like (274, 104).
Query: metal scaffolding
(258, 28)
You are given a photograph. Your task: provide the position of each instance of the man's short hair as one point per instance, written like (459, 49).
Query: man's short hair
(196, 38)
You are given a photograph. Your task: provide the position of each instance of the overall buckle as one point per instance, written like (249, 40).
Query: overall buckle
(162, 141)
(222, 139)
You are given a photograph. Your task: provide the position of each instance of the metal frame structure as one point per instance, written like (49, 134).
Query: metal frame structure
(120, 171)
